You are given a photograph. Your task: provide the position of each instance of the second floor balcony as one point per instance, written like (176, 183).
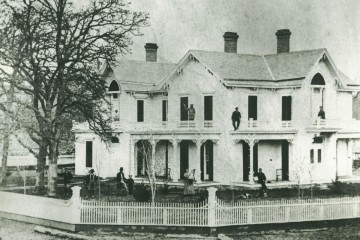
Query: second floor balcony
(245, 126)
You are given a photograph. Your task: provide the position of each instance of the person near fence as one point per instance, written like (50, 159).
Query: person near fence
(236, 117)
(189, 188)
(67, 177)
(321, 113)
(120, 180)
(262, 180)
(130, 183)
(90, 181)
(191, 112)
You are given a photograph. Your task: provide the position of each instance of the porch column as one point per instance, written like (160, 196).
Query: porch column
(290, 141)
(251, 143)
(198, 161)
(175, 160)
(349, 157)
(132, 165)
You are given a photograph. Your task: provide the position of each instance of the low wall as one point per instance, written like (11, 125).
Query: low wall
(45, 211)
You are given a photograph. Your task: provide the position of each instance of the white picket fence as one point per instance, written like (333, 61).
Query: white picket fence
(215, 212)
(211, 212)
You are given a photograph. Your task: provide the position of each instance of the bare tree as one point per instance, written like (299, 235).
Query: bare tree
(56, 46)
(148, 154)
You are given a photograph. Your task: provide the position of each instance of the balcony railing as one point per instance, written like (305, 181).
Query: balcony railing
(249, 125)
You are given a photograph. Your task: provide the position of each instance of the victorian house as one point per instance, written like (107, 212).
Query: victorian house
(278, 96)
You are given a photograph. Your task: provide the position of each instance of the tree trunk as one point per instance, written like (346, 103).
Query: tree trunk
(5, 153)
(52, 172)
(40, 168)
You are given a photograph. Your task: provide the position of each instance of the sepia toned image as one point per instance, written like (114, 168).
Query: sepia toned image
(179, 119)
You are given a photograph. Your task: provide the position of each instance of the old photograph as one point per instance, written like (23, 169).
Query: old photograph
(179, 119)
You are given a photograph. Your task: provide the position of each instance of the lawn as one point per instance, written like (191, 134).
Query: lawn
(109, 192)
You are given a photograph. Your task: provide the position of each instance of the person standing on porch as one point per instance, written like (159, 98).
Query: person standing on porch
(321, 113)
(262, 180)
(191, 112)
(236, 117)
(120, 180)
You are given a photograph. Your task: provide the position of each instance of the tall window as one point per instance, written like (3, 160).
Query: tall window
(286, 108)
(89, 147)
(208, 108)
(252, 107)
(312, 156)
(184, 102)
(319, 155)
(164, 110)
(140, 110)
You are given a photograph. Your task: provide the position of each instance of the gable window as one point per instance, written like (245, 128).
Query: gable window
(140, 110)
(286, 108)
(89, 147)
(252, 107)
(165, 110)
(208, 108)
(312, 156)
(318, 79)
(184, 104)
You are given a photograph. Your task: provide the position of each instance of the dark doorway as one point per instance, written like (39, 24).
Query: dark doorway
(184, 157)
(89, 147)
(256, 158)
(246, 161)
(140, 110)
(285, 160)
(286, 108)
(252, 107)
(207, 161)
(184, 102)
(208, 108)
(143, 149)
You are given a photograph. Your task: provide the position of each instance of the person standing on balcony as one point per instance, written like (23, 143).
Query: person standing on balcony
(191, 112)
(236, 117)
(321, 113)
(116, 116)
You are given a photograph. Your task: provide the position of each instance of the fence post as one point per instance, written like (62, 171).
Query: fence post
(355, 209)
(321, 212)
(76, 205)
(212, 206)
(249, 215)
(165, 216)
(287, 214)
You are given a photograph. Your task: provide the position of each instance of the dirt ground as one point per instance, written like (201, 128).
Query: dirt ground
(13, 230)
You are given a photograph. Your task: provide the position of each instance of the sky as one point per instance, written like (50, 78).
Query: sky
(180, 25)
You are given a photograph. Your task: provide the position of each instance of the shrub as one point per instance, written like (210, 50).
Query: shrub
(141, 193)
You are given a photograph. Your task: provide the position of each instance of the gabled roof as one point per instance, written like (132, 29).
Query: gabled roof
(273, 70)
(139, 76)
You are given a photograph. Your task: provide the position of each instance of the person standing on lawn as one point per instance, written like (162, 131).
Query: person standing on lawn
(67, 177)
(120, 180)
(90, 180)
(262, 180)
(131, 183)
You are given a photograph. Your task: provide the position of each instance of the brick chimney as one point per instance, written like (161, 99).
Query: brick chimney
(151, 52)
(230, 42)
(283, 40)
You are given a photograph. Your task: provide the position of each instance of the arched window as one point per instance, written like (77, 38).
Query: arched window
(114, 87)
(318, 80)
(115, 139)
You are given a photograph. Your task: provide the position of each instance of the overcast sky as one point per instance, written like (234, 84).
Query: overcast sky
(179, 25)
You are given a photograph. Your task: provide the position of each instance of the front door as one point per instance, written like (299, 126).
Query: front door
(184, 157)
(246, 161)
(285, 160)
(206, 164)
